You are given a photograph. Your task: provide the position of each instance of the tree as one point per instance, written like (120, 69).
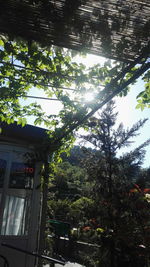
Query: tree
(66, 203)
(74, 157)
(27, 65)
(143, 98)
(68, 181)
(121, 213)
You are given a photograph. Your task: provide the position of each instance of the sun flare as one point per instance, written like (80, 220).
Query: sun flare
(89, 97)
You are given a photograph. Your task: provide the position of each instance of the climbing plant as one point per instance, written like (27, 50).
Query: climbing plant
(29, 67)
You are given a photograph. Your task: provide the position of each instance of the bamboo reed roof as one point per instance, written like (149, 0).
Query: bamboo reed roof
(113, 28)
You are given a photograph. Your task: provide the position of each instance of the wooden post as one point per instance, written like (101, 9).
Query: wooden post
(44, 211)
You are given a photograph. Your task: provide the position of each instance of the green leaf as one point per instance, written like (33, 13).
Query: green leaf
(1, 43)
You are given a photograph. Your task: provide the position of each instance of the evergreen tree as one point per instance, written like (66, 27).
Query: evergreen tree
(104, 196)
(121, 207)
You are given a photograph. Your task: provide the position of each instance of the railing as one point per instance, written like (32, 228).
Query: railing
(6, 263)
(52, 260)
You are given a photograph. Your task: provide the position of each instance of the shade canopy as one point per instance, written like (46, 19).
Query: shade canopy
(112, 28)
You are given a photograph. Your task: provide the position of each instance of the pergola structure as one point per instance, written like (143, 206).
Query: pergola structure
(115, 29)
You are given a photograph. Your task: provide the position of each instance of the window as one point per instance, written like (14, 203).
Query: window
(2, 171)
(21, 176)
(15, 217)
(16, 177)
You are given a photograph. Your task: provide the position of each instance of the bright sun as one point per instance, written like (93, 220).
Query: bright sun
(89, 97)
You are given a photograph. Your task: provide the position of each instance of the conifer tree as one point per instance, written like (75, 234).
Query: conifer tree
(121, 206)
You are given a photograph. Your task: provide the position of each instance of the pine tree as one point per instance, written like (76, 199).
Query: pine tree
(121, 206)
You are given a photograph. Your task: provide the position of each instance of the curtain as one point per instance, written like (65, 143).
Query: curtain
(14, 216)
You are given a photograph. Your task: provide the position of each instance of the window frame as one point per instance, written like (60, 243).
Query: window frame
(5, 191)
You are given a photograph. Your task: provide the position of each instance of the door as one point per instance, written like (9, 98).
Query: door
(19, 204)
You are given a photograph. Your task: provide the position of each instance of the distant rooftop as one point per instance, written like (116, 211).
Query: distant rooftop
(112, 28)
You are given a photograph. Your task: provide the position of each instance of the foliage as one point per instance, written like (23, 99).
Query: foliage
(143, 98)
(27, 67)
(121, 205)
(65, 190)
(80, 209)
(68, 181)
(59, 209)
(74, 156)
(101, 217)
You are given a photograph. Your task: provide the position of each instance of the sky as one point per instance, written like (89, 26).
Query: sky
(128, 115)
(127, 112)
(125, 106)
